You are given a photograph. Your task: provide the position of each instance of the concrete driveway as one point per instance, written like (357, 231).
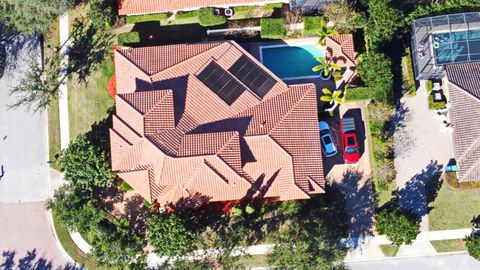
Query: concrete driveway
(422, 150)
(27, 240)
(23, 134)
(353, 180)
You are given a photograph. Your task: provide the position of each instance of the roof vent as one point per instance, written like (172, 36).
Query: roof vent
(262, 125)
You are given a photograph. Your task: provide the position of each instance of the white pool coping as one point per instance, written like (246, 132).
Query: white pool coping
(293, 43)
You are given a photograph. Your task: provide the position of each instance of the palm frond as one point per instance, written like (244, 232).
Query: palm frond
(326, 91)
(326, 98)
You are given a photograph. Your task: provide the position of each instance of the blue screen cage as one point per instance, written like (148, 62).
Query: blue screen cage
(310, 6)
(442, 40)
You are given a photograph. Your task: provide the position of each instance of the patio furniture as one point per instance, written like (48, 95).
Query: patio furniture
(437, 97)
(436, 86)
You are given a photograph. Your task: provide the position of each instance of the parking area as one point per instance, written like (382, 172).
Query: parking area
(352, 180)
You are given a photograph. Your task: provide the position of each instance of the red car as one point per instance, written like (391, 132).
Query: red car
(349, 140)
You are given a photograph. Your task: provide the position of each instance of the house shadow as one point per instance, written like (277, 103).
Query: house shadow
(359, 203)
(421, 190)
(31, 261)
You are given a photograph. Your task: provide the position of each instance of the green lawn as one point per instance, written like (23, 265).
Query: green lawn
(449, 245)
(389, 250)
(88, 103)
(254, 261)
(72, 250)
(454, 209)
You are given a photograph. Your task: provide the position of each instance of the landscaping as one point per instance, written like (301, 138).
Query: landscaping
(389, 250)
(454, 209)
(449, 245)
(272, 28)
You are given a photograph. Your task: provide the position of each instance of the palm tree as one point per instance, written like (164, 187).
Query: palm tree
(324, 31)
(337, 74)
(325, 65)
(332, 98)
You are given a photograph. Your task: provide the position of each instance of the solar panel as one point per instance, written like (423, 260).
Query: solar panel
(221, 82)
(253, 76)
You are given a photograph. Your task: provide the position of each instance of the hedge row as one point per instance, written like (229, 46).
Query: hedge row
(147, 18)
(128, 38)
(272, 6)
(312, 25)
(272, 28)
(207, 17)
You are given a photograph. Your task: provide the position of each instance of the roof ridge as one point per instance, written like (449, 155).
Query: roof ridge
(294, 105)
(469, 150)
(189, 59)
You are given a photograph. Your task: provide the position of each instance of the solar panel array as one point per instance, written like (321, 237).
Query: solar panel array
(221, 82)
(252, 75)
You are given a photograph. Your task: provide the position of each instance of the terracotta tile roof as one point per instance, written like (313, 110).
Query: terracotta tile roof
(132, 7)
(341, 50)
(464, 94)
(193, 144)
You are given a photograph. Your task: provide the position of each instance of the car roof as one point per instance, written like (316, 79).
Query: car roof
(322, 125)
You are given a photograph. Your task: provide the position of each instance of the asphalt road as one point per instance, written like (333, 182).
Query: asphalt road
(27, 239)
(23, 134)
(440, 262)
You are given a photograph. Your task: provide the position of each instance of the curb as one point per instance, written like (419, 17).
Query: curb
(407, 257)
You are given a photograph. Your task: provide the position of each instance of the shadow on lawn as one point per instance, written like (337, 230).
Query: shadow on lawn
(30, 261)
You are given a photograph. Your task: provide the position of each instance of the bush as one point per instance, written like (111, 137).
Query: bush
(186, 14)
(400, 226)
(147, 18)
(170, 234)
(128, 38)
(272, 6)
(375, 70)
(444, 7)
(312, 25)
(125, 186)
(206, 18)
(272, 28)
(102, 14)
(435, 105)
(384, 172)
(357, 93)
(472, 243)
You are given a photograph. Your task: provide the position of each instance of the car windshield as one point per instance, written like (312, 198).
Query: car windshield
(351, 141)
(351, 150)
(327, 140)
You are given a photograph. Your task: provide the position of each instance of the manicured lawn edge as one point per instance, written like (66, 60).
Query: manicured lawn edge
(449, 245)
(389, 250)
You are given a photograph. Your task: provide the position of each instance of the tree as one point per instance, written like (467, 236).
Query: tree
(383, 22)
(332, 98)
(40, 86)
(325, 66)
(115, 244)
(472, 242)
(375, 71)
(86, 165)
(31, 16)
(325, 31)
(400, 226)
(102, 13)
(170, 234)
(344, 17)
(305, 246)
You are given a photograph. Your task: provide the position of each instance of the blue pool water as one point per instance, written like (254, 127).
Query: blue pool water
(290, 62)
(456, 47)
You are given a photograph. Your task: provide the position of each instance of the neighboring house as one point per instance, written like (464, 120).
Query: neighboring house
(340, 49)
(136, 7)
(207, 122)
(464, 94)
(443, 40)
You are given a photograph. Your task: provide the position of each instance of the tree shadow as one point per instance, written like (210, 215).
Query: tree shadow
(88, 48)
(15, 45)
(31, 261)
(359, 203)
(421, 189)
(99, 133)
(137, 213)
(404, 142)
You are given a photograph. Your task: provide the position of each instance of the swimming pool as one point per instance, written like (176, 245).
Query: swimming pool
(455, 47)
(291, 62)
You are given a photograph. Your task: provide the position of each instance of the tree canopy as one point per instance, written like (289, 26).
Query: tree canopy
(344, 17)
(31, 16)
(375, 71)
(383, 22)
(400, 226)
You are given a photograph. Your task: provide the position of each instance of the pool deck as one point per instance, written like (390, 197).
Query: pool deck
(254, 49)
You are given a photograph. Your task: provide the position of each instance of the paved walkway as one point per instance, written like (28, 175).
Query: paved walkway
(63, 99)
(422, 151)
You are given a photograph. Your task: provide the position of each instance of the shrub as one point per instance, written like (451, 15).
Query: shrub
(272, 6)
(472, 243)
(444, 7)
(312, 25)
(187, 14)
(147, 18)
(375, 71)
(125, 186)
(102, 14)
(128, 38)
(384, 172)
(272, 28)
(170, 234)
(400, 226)
(429, 86)
(206, 18)
(357, 93)
(435, 105)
